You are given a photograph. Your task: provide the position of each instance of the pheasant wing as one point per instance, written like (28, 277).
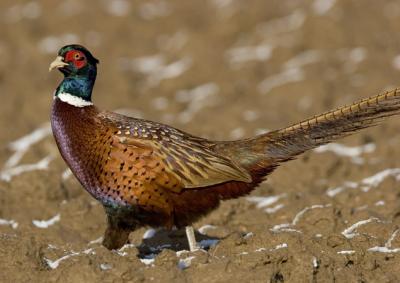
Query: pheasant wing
(183, 157)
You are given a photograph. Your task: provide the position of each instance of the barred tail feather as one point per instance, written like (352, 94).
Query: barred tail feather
(286, 143)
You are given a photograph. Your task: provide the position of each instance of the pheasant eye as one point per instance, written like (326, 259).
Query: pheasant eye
(77, 56)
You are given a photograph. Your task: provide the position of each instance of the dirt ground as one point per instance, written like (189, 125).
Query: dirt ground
(222, 69)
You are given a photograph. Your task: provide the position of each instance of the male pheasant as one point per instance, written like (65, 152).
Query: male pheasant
(147, 173)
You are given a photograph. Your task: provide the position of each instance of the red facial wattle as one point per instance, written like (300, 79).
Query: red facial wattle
(76, 57)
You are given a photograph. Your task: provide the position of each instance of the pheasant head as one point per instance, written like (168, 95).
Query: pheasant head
(79, 68)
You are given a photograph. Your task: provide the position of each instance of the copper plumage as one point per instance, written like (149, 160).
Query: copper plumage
(147, 173)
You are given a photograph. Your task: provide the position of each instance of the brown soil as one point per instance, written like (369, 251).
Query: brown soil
(344, 53)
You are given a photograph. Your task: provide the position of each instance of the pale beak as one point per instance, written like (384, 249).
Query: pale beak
(57, 64)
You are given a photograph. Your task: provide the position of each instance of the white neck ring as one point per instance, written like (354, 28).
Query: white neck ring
(73, 100)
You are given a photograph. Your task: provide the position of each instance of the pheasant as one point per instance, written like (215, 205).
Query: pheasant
(147, 173)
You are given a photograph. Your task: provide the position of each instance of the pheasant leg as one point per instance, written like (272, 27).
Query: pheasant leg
(115, 238)
(193, 246)
(118, 230)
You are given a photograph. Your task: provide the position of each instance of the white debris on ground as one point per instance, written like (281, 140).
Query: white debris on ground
(197, 98)
(351, 58)
(367, 183)
(203, 229)
(149, 233)
(263, 202)
(346, 252)
(31, 10)
(285, 24)
(66, 174)
(118, 8)
(244, 54)
(288, 227)
(154, 10)
(159, 103)
(248, 235)
(280, 79)
(384, 250)
(353, 152)
(292, 71)
(96, 241)
(350, 232)
(346, 185)
(225, 8)
(47, 223)
(272, 32)
(271, 210)
(20, 147)
(278, 247)
(284, 227)
(396, 62)
(54, 264)
(315, 262)
(8, 174)
(173, 42)
(266, 202)
(185, 263)
(302, 59)
(122, 251)
(11, 223)
(281, 246)
(321, 7)
(237, 133)
(299, 215)
(106, 266)
(375, 180)
(250, 115)
(51, 44)
(156, 68)
(148, 259)
(387, 248)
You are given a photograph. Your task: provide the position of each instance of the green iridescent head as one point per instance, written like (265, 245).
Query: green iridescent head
(79, 67)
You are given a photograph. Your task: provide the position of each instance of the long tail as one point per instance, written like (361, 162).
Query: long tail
(287, 143)
(262, 154)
